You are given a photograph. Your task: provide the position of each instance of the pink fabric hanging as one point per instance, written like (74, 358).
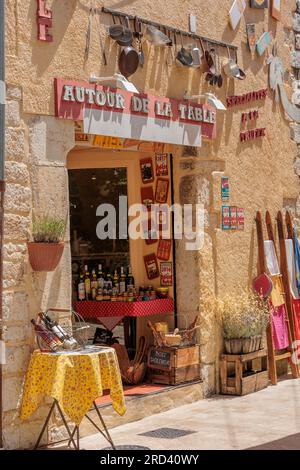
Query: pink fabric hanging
(279, 327)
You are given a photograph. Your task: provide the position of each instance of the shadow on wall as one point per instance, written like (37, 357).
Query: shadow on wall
(62, 16)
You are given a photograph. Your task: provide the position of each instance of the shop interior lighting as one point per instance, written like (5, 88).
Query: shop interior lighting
(210, 98)
(116, 81)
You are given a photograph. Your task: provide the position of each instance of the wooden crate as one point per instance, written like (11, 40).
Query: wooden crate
(244, 381)
(172, 366)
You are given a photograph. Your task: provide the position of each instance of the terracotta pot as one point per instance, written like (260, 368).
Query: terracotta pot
(44, 257)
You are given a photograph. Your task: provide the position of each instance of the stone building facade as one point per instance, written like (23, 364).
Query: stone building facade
(261, 172)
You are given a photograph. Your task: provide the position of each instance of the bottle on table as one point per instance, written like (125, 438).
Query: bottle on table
(47, 336)
(87, 283)
(68, 341)
(122, 281)
(81, 288)
(94, 285)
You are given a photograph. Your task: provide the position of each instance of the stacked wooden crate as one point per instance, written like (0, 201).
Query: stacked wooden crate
(173, 366)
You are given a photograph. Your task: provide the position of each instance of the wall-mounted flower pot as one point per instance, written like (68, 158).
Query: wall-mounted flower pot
(44, 257)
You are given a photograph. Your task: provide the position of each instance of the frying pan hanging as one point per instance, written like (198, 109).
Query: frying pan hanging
(128, 61)
(184, 57)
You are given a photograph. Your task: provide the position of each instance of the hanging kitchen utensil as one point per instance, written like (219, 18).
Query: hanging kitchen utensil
(138, 35)
(219, 70)
(128, 60)
(184, 57)
(156, 37)
(231, 68)
(115, 30)
(89, 34)
(100, 39)
(196, 55)
(125, 38)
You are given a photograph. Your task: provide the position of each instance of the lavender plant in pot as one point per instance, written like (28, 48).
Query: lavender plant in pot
(244, 318)
(47, 247)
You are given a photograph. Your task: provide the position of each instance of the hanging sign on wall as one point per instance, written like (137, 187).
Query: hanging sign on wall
(119, 113)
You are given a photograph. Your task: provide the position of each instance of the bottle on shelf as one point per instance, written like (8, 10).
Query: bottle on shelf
(68, 341)
(87, 283)
(81, 288)
(109, 281)
(100, 277)
(94, 285)
(116, 284)
(130, 278)
(47, 336)
(122, 287)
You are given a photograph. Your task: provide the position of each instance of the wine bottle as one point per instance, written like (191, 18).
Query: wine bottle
(47, 336)
(116, 281)
(122, 281)
(81, 288)
(87, 283)
(100, 277)
(94, 285)
(109, 282)
(130, 278)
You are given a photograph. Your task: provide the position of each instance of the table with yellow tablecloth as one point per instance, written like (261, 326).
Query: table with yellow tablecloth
(74, 380)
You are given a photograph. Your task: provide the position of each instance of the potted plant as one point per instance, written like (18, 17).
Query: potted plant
(47, 247)
(244, 318)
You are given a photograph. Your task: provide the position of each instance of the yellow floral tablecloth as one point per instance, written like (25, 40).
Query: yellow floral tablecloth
(74, 379)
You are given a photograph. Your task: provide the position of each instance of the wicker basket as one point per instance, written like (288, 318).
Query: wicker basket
(181, 338)
(78, 329)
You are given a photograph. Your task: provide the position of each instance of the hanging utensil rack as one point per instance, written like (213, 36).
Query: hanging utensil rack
(171, 29)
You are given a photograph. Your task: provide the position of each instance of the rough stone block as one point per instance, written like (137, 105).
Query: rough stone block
(15, 145)
(16, 172)
(29, 433)
(13, 92)
(56, 198)
(12, 273)
(14, 252)
(18, 334)
(12, 113)
(195, 189)
(208, 375)
(16, 227)
(12, 393)
(17, 198)
(51, 139)
(15, 306)
(17, 359)
(11, 437)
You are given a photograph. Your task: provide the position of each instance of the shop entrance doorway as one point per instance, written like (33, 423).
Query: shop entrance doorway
(98, 262)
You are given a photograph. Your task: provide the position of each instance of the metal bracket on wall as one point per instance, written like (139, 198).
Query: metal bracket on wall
(170, 29)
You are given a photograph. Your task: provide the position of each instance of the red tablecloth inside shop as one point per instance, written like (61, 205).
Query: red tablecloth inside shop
(92, 310)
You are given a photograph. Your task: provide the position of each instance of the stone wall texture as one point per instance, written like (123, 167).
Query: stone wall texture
(264, 174)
